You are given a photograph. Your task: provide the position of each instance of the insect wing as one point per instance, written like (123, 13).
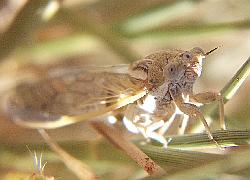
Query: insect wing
(67, 96)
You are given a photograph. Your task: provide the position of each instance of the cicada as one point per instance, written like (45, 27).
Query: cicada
(151, 91)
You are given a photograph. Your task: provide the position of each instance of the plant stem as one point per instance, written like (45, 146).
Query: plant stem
(231, 88)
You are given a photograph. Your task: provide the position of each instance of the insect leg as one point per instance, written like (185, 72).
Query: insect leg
(208, 97)
(167, 124)
(194, 112)
(150, 131)
(168, 119)
(184, 123)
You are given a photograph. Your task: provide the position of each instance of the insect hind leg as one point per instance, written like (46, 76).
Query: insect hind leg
(167, 124)
(152, 134)
(184, 123)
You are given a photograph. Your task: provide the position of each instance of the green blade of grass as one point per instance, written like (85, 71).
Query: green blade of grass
(236, 164)
(226, 138)
(173, 160)
(230, 89)
(181, 153)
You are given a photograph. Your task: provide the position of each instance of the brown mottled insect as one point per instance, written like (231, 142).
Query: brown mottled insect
(153, 90)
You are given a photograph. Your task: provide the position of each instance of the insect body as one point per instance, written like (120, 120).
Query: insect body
(153, 90)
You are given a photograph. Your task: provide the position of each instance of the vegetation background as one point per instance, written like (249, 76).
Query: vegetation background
(36, 36)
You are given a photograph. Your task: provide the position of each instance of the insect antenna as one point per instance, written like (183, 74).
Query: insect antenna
(209, 52)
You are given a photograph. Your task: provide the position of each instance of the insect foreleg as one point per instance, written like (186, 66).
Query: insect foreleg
(208, 97)
(190, 109)
(194, 112)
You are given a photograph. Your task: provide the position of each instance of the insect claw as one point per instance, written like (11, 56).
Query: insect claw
(217, 145)
(169, 140)
(148, 140)
(165, 145)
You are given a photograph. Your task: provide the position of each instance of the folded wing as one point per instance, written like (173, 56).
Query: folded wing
(66, 96)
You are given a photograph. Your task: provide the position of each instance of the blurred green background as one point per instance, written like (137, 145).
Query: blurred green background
(37, 35)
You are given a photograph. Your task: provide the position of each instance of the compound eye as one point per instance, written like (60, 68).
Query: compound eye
(198, 50)
(187, 56)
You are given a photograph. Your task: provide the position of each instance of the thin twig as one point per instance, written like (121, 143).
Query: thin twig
(115, 137)
(81, 170)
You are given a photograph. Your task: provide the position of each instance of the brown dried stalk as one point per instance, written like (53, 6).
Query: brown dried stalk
(116, 138)
(81, 170)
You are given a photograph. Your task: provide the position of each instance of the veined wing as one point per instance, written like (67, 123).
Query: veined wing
(67, 96)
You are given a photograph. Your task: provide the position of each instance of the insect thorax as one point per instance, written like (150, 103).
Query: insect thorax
(163, 96)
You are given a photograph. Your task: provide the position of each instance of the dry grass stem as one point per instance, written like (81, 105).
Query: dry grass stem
(115, 137)
(81, 170)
